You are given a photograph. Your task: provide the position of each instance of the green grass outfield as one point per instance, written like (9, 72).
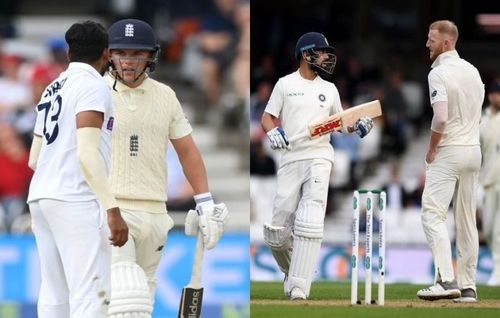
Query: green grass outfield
(332, 299)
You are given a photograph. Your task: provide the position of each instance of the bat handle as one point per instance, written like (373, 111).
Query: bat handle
(299, 136)
(198, 262)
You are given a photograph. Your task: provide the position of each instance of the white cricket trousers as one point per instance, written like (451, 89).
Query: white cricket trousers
(75, 258)
(147, 239)
(453, 176)
(491, 228)
(302, 182)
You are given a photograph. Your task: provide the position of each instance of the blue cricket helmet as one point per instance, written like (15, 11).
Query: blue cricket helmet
(132, 34)
(312, 41)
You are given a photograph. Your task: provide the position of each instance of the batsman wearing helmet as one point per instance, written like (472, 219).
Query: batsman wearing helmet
(296, 230)
(148, 116)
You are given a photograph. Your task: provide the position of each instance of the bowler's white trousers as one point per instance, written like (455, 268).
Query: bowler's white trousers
(75, 255)
(453, 176)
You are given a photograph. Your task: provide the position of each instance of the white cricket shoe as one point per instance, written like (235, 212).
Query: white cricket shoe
(468, 296)
(297, 294)
(441, 290)
(286, 287)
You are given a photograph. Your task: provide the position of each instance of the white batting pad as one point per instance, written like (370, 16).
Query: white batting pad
(130, 295)
(279, 239)
(308, 233)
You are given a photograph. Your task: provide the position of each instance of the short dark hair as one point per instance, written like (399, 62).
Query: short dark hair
(87, 41)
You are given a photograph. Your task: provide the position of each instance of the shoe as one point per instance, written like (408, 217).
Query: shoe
(468, 296)
(441, 290)
(286, 288)
(297, 294)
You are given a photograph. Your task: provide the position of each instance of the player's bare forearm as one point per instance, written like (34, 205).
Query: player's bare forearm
(267, 121)
(192, 163)
(433, 146)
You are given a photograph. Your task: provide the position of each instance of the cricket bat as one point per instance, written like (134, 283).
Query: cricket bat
(192, 294)
(340, 120)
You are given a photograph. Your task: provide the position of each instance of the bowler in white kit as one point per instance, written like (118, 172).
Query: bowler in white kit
(69, 198)
(452, 161)
(298, 99)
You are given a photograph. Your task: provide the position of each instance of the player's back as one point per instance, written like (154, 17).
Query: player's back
(58, 174)
(465, 91)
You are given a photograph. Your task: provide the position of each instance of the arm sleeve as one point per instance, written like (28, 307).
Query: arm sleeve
(437, 88)
(92, 165)
(39, 123)
(275, 103)
(179, 125)
(36, 146)
(440, 116)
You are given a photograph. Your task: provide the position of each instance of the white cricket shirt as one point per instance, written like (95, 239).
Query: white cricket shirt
(58, 174)
(456, 81)
(298, 102)
(490, 148)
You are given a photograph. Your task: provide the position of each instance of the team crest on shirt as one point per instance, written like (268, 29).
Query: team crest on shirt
(321, 97)
(109, 125)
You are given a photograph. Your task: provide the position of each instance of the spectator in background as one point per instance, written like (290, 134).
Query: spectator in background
(59, 61)
(15, 175)
(264, 89)
(397, 196)
(241, 64)
(394, 108)
(218, 43)
(15, 94)
(41, 76)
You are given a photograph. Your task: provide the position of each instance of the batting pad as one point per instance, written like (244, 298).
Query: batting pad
(308, 234)
(279, 239)
(130, 296)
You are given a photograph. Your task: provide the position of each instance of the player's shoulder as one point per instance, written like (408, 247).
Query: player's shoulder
(436, 73)
(159, 87)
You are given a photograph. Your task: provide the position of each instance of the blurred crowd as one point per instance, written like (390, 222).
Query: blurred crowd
(206, 45)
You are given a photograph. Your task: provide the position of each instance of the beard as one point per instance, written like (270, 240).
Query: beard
(435, 53)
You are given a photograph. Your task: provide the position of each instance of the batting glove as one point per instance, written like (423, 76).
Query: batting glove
(278, 138)
(191, 223)
(363, 126)
(212, 218)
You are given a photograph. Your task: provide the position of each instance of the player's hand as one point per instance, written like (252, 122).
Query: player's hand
(211, 219)
(363, 126)
(278, 138)
(430, 156)
(118, 227)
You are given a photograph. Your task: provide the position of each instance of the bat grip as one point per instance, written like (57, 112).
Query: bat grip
(299, 136)
(198, 262)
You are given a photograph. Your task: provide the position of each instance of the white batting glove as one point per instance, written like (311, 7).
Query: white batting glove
(212, 218)
(278, 138)
(363, 126)
(191, 223)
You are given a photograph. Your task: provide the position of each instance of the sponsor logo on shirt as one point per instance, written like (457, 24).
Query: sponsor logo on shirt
(109, 125)
(295, 94)
(434, 93)
(321, 97)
